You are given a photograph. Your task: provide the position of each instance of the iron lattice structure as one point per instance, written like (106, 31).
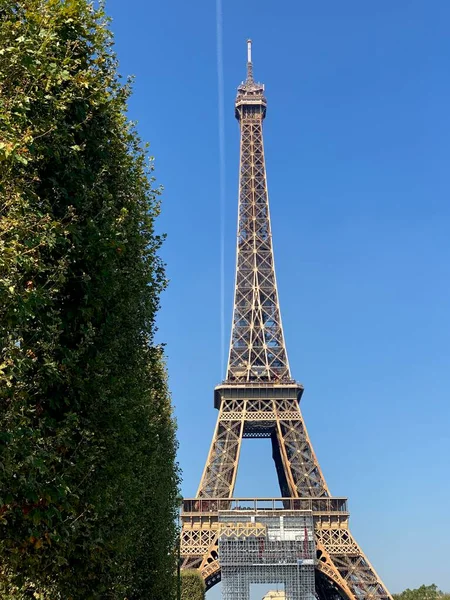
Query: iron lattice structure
(267, 547)
(257, 349)
(260, 399)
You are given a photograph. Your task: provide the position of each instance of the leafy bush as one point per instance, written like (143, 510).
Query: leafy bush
(88, 483)
(192, 585)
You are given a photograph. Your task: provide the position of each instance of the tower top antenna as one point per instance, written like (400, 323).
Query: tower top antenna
(249, 62)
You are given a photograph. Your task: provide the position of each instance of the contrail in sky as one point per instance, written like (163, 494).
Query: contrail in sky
(221, 123)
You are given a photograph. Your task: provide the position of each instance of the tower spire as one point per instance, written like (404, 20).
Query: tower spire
(249, 62)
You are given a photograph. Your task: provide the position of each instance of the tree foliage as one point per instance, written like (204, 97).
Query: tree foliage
(88, 481)
(424, 592)
(192, 585)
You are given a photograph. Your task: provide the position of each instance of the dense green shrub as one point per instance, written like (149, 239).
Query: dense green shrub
(88, 480)
(192, 585)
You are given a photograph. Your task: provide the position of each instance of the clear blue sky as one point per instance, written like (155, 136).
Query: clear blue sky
(357, 146)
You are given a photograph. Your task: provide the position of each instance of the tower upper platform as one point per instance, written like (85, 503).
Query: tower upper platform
(250, 93)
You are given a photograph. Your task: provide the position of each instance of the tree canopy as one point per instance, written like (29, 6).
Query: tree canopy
(424, 592)
(88, 479)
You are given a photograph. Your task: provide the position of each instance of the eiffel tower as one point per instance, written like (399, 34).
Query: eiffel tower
(260, 399)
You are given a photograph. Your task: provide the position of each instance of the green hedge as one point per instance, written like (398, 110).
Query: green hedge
(192, 585)
(88, 479)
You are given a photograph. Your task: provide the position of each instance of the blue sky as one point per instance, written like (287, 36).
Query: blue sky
(357, 141)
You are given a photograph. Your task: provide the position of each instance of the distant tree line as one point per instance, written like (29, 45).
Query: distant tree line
(424, 592)
(88, 478)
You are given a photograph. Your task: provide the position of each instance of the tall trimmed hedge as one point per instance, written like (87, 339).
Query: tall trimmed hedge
(88, 479)
(192, 585)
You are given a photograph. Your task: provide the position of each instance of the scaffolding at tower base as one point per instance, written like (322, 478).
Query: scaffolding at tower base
(267, 547)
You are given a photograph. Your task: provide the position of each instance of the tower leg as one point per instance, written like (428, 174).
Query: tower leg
(219, 476)
(293, 453)
(352, 565)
